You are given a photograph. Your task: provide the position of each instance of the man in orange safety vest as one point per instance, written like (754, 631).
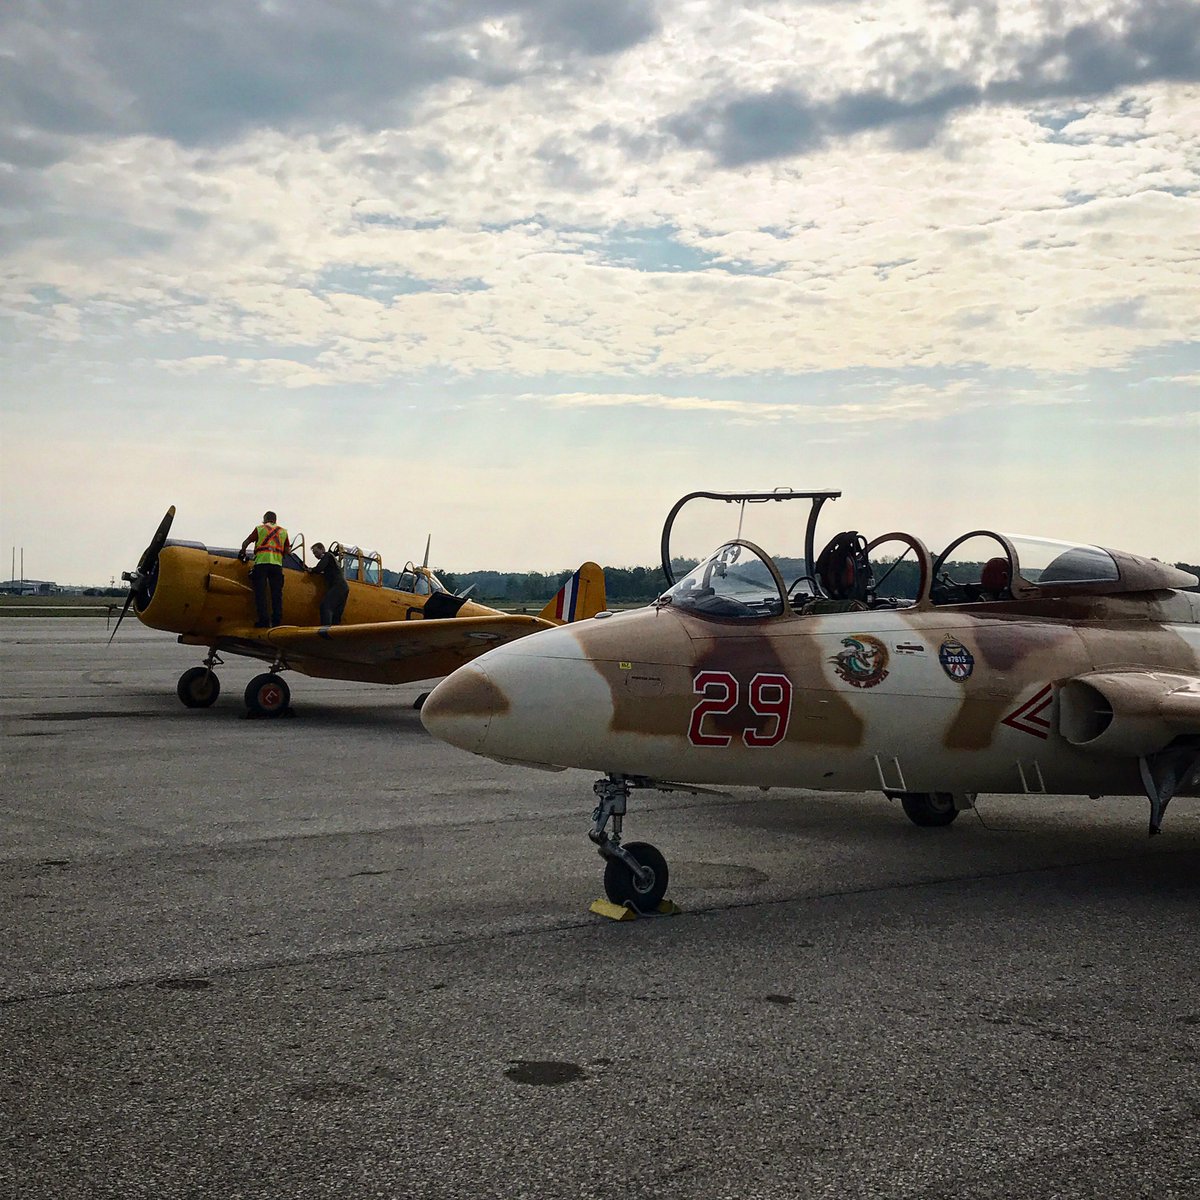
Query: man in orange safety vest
(270, 541)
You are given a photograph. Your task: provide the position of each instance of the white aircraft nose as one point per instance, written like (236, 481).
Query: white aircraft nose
(461, 708)
(537, 700)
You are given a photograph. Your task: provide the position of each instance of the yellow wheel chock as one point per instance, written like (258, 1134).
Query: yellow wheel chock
(626, 912)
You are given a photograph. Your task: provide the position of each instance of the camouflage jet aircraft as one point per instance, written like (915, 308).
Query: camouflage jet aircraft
(415, 630)
(1012, 665)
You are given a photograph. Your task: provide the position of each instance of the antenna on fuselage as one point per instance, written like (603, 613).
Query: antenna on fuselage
(425, 561)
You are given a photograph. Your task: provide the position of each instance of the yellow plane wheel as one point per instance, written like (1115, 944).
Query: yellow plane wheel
(198, 687)
(621, 886)
(929, 808)
(267, 696)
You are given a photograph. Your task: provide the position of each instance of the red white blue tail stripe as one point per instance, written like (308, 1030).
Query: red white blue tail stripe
(567, 599)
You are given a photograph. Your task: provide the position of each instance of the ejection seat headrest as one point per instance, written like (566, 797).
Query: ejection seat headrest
(995, 575)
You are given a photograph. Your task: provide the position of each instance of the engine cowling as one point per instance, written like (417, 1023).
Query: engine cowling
(1128, 712)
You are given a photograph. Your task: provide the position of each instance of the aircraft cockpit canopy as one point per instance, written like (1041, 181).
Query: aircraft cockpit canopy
(418, 581)
(984, 566)
(742, 581)
(737, 581)
(363, 566)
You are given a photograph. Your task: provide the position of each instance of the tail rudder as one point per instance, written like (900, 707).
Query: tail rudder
(581, 597)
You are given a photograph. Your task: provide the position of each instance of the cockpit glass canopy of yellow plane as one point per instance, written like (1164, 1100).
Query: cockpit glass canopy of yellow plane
(782, 571)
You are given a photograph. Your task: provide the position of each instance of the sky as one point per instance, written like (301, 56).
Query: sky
(518, 274)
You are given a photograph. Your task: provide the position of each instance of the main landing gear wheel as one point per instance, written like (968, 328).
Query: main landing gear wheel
(929, 808)
(622, 886)
(267, 696)
(198, 687)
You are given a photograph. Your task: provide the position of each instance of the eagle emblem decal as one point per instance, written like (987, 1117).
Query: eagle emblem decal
(863, 661)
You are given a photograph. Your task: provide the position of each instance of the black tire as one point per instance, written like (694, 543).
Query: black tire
(929, 808)
(419, 702)
(198, 687)
(622, 887)
(267, 696)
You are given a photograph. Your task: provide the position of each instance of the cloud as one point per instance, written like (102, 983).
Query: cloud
(1179, 420)
(897, 404)
(913, 85)
(206, 74)
(592, 28)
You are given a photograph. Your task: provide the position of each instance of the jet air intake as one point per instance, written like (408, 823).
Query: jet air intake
(1128, 712)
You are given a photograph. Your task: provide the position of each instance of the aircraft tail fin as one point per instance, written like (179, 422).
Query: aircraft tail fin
(581, 597)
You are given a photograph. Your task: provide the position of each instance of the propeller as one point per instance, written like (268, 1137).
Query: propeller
(139, 577)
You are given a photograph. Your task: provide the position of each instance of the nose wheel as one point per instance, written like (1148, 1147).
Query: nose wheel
(636, 875)
(642, 885)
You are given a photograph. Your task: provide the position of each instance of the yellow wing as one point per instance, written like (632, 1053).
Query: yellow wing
(388, 641)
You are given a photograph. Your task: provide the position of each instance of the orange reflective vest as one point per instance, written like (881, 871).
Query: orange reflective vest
(270, 545)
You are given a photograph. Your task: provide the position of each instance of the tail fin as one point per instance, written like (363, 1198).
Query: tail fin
(581, 597)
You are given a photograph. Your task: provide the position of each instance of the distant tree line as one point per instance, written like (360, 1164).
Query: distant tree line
(622, 585)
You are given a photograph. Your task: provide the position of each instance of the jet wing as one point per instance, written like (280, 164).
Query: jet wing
(387, 641)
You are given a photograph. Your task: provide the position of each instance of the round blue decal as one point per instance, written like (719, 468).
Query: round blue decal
(957, 661)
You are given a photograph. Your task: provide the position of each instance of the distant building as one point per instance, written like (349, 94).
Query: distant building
(29, 587)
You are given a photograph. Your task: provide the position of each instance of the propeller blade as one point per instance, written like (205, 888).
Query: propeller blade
(145, 567)
(128, 602)
(156, 542)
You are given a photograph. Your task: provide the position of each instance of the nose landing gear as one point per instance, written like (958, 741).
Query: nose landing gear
(636, 875)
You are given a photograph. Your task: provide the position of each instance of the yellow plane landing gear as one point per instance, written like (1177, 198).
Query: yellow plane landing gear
(635, 876)
(267, 695)
(199, 687)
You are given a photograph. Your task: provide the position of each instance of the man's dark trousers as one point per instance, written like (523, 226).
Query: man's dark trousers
(334, 604)
(268, 591)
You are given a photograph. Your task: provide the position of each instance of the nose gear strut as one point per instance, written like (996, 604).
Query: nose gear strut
(613, 794)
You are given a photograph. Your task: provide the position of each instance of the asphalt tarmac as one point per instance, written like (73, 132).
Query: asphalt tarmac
(330, 957)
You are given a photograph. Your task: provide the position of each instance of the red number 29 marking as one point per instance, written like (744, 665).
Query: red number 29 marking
(770, 696)
(720, 692)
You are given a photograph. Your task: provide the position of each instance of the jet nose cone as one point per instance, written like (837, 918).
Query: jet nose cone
(461, 708)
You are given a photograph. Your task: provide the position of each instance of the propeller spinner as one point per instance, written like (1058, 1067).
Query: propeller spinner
(139, 578)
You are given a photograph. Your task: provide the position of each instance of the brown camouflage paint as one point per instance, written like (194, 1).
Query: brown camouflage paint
(1015, 646)
(469, 694)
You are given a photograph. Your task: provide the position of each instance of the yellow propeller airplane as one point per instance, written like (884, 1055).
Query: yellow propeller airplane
(1007, 664)
(415, 630)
